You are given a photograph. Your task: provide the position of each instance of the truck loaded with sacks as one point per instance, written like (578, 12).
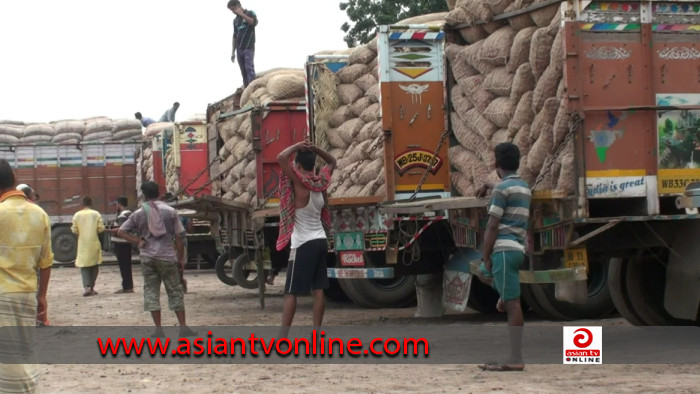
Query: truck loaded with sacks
(603, 100)
(68, 159)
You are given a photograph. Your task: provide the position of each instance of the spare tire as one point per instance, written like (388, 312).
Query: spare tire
(224, 270)
(64, 244)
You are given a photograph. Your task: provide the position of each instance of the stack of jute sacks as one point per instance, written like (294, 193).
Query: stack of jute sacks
(509, 88)
(238, 165)
(347, 117)
(97, 129)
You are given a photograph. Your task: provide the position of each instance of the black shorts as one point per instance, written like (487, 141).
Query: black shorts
(307, 268)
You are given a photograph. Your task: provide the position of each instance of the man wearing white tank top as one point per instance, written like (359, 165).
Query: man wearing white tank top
(304, 217)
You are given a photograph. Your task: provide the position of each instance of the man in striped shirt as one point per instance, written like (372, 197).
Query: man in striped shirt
(504, 246)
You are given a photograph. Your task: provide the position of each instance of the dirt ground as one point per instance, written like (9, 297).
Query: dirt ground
(211, 302)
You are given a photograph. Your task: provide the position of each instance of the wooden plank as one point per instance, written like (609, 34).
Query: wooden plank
(339, 202)
(266, 213)
(547, 276)
(595, 232)
(549, 194)
(434, 204)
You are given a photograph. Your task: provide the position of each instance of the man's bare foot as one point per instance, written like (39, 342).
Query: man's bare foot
(500, 306)
(270, 280)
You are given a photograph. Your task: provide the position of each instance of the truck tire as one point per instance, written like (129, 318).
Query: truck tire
(645, 285)
(64, 244)
(529, 299)
(335, 292)
(617, 272)
(381, 293)
(243, 276)
(551, 313)
(599, 303)
(224, 270)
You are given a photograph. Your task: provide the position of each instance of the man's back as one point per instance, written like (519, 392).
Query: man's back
(87, 221)
(24, 248)
(511, 201)
(162, 248)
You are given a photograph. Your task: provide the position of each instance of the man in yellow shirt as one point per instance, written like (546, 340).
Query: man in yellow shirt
(25, 247)
(87, 223)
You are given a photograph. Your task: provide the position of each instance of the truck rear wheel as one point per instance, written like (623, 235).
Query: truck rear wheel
(599, 303)
(645, 286)
(64, 244)
(617, 271)
(381, 293)
(247, 279)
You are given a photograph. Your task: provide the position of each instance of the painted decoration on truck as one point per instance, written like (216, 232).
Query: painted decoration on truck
(416, 91)
(604, 136)
(617, 186)
(679, 142)
(417, 158)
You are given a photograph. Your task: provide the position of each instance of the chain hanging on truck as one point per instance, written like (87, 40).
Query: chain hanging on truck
(443, 138)
(194, 179)
(574, 124)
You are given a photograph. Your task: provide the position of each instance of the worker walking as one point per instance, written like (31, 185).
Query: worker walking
(87, 224)
(122, 247)
(25, 248)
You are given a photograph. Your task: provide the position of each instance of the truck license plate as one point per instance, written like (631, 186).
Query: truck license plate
(576, 258)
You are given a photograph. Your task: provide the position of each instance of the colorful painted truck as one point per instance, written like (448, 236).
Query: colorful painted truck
(63, 174)
(617, 120)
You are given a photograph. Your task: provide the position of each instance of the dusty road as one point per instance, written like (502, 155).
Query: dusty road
(210, 302)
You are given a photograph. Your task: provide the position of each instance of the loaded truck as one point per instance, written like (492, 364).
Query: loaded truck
(63, 174)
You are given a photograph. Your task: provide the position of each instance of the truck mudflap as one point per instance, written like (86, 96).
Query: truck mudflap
(361, 273)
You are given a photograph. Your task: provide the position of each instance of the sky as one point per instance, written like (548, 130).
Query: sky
(74, 59)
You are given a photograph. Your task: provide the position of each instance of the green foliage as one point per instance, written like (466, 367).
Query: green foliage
(366, 15)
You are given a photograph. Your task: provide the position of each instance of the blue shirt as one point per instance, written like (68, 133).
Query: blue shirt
(147, 121)
(169, 115)
(510, 202)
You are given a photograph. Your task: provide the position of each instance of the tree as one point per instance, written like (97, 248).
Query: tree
(366, 15)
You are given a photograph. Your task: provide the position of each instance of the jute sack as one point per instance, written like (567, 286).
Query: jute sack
(567, 173)
(474, 91)
(335, 139)
(361, 55)
(522, 140)
(477, 123)
(337, 153)
(544, 120)
(125, 124)
(8, 139)
(546, 87)
(367, 131)
(370, 172)
(462, 184)
(366, 81)
(349, 130)
(340, 116)
(251, 169)
(498, 137)
(467, 138)
(359, 106)
(74, 127)
(477, 9)
(252, 186)
(460, 103)
(496, 48)
(286, 86)
(520, 51)
(561, 123)
(543, 16)
(456, 16)
(499, 82)
(151, 130)
(500, 112)
(523, 82)
(473, 34)
(371, 113)
(451, 4)
(127, 134)
(11, 130)
(541, 148)
(459, 66)
(472, 55)
(349, 74)
(521, 21)
(11, 122)
(349, 93)
(556, 56)
(373, 93)
(523, 114)
(497, 7)
(540, 49)
(459, 158)
(39, 129)
(378, 152)
(99, 136)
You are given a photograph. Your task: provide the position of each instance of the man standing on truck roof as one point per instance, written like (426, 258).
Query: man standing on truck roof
(504, 247)
(122, 247)
(160, 236)
(169, 115)
(23, 251)
(303, 215)
(244, 40)
(87, 224)
(145, 122)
